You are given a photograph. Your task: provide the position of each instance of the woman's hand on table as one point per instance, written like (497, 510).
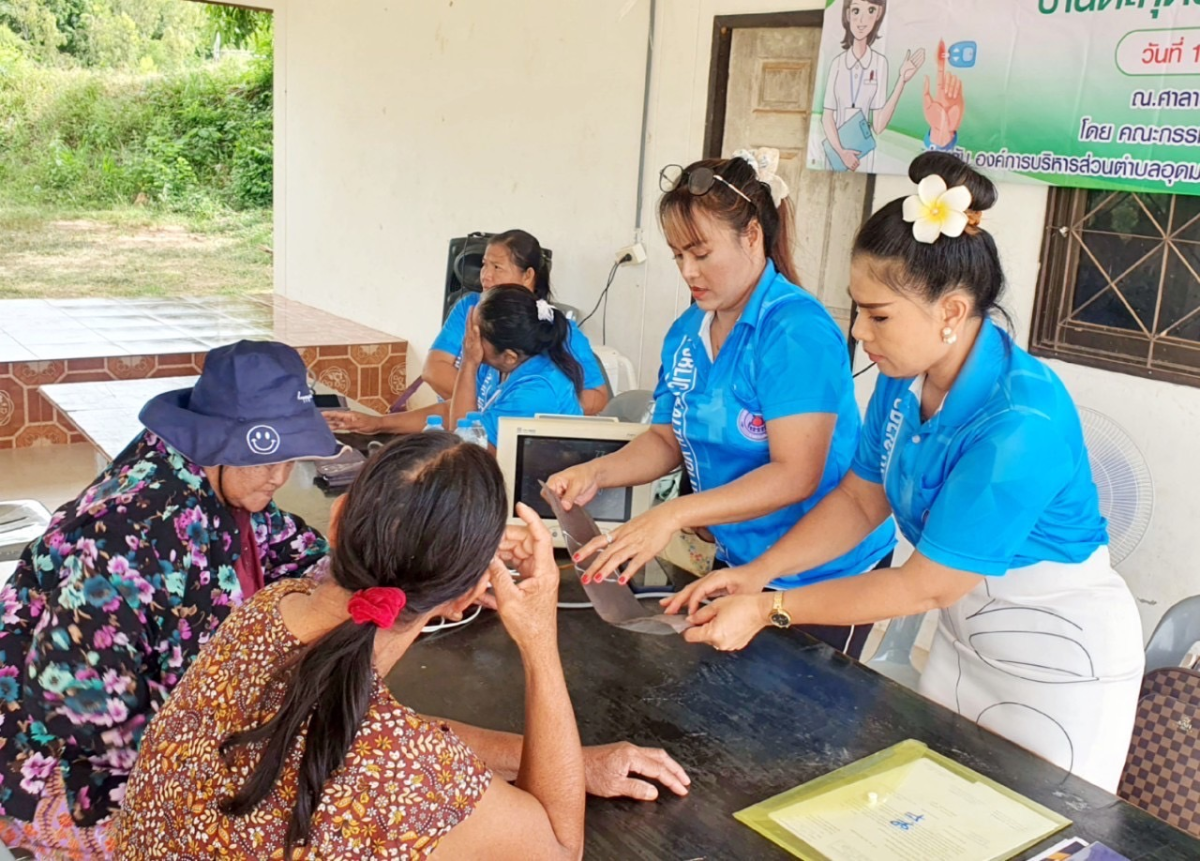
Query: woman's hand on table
(609, 770)
(352, 420)
(633, 544)
(577, 485)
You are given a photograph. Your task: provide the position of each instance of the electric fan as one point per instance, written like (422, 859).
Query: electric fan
(1122, 479)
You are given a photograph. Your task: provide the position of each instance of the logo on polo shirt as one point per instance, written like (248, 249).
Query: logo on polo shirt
(890, 433)
(752, 426)
(262, 439)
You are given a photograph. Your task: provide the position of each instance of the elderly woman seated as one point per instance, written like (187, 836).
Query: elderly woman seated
(284, 737)
(109, 607)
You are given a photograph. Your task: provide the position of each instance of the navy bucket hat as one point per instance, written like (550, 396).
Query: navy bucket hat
(252, 406)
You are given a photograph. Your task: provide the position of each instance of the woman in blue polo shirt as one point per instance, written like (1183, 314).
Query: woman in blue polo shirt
(515, 362)
(511, 257)
(977, 450)
(754, 397)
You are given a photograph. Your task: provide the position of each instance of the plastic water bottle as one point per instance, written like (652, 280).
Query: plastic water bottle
(434, 423)
(478, 431)
(463, 430)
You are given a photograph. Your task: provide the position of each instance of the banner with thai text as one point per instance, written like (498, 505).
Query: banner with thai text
(1088, 93)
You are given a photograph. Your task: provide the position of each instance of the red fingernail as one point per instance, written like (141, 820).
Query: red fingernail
(586, 580)
(623, 581)
(575, 557)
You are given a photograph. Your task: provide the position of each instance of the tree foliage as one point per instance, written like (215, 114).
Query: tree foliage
(130, 35)
(108, 102)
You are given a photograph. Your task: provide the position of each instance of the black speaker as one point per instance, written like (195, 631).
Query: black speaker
(464, 262)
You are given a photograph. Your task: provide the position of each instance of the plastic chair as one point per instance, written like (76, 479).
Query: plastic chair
(571, 311)
(633, 406)
(622, 376)
(1176, 631)
(21, 521)
(894, 656)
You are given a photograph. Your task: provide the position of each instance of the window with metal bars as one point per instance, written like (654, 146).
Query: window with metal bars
(1120, 283)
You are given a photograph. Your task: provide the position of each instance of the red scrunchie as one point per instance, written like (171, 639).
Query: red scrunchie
(379, 605)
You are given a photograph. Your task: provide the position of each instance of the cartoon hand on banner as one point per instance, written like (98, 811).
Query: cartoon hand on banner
(912, 62)
(944, 111)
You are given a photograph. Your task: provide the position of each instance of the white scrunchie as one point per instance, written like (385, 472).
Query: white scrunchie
(545, 311)
(765, 161)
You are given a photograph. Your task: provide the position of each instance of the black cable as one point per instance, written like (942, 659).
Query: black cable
(864, 370)
(611, 275)
(604, 321)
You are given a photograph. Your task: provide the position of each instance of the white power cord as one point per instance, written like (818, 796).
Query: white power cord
(587, 605)
(444, 624)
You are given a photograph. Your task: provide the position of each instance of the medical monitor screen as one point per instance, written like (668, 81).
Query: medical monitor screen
(539, 457)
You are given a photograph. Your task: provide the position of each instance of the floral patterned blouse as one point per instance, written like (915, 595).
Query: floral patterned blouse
(105, 612)
(404, 784)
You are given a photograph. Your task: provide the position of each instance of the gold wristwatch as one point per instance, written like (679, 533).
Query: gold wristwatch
(780, 617)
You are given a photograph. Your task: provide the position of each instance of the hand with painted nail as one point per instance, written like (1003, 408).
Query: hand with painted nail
(728, 581)
(631, 545)
(730, 623)
(577, 485)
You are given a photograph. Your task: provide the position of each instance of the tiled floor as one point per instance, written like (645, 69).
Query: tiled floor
(48, 329)
(89, 340)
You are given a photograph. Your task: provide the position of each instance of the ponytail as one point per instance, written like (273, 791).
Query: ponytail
(424, 515)
(558, 338)
(329, 689)
(510, 318)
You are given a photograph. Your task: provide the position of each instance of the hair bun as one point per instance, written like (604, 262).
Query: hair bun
(955, 172)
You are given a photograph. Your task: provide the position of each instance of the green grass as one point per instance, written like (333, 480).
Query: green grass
(60, 253)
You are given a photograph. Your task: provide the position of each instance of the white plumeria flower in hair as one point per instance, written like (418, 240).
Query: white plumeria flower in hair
(545, 311)
(936, 210)
(765, 161)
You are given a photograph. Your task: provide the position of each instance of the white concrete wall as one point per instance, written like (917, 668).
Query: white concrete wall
(406, 124)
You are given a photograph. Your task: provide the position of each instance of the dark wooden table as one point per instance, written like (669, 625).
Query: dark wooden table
(746, 725)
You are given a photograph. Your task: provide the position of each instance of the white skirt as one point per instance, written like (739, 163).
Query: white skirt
(1050, 657)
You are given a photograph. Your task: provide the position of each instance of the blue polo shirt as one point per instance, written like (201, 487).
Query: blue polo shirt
(785, 357)
(999, 477)
(454, 332)
(536, 386)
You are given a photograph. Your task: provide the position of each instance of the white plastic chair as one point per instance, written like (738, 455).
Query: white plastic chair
(21, 521)
(622, 376)
(634, 406)
(1176, 631)
(893, 658)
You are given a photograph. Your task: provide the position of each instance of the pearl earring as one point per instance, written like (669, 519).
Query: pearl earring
(948, 336)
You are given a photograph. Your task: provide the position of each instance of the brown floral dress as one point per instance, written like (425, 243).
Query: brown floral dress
(405, 782)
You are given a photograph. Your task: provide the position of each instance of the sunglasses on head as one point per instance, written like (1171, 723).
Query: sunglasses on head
(699, 181)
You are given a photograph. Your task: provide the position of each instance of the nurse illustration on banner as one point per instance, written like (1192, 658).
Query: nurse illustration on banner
(977, 450)
(754, 398)
(857, 105)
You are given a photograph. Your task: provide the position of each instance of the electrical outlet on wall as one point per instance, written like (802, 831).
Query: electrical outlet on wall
(632, 255)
